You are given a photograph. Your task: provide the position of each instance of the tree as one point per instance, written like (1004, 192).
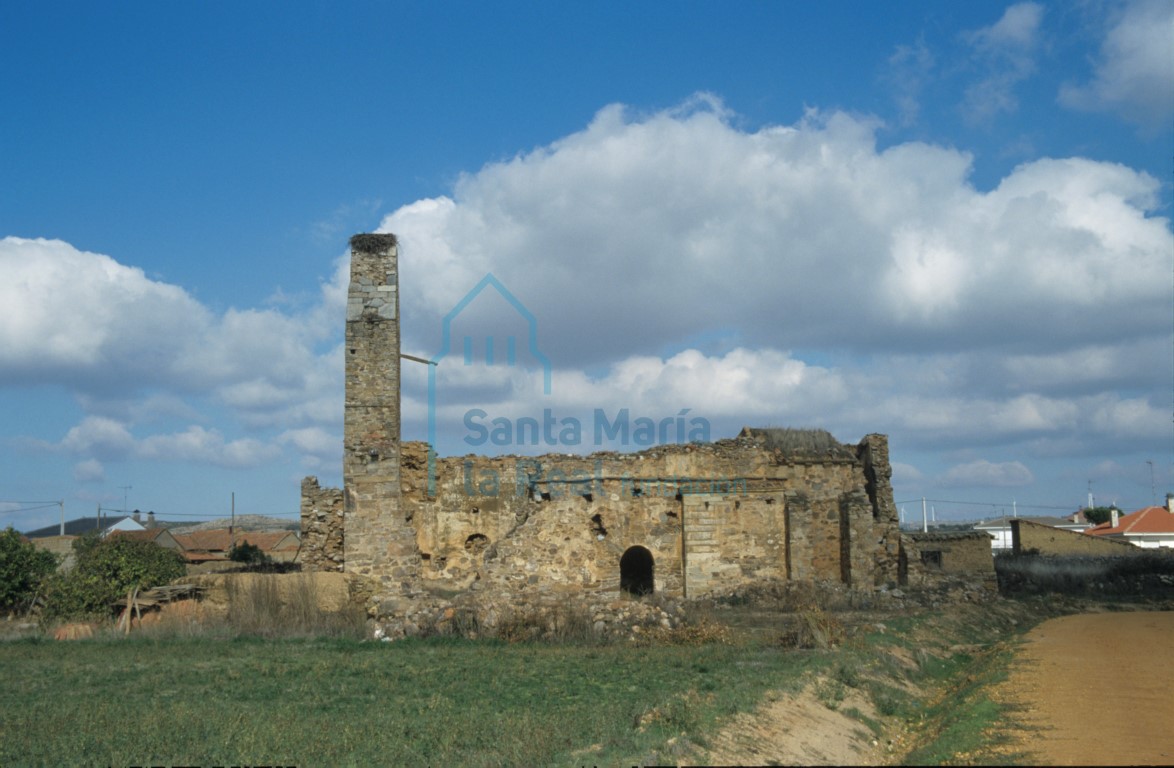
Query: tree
(106, 570)
(1099, 515)
(23, 568)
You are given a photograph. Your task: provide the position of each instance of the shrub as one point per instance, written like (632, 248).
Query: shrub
(106, 570)
(247, 553)
(23, 568)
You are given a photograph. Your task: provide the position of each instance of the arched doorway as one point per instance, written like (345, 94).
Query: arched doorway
(636, 572)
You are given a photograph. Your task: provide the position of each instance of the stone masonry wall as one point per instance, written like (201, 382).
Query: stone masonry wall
(322, 527)
(713, 517)
(379, 542)
(952, 554)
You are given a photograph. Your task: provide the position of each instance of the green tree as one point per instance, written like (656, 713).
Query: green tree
(1099, 515)
(106, 570)
(23, 568)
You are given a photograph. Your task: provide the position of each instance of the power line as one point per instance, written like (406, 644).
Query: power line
(984, 503)
(38, 505)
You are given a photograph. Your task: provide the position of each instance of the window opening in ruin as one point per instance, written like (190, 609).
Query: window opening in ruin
(597, 527)
(637, 491)
(477, 543)
(636, 572)
(589, 497)
(737, 504)
(931, 559)
(476, 510)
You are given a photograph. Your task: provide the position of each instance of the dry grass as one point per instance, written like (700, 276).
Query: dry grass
(262, 605)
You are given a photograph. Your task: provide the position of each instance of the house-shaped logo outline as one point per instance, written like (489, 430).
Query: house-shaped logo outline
(446, 346)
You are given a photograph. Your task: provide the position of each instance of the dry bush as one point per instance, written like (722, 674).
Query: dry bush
(702, 632)
(560, 624)
(814, 628)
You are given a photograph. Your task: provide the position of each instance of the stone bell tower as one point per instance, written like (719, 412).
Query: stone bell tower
(377, 542)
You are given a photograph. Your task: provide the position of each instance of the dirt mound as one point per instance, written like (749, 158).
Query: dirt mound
(799, 729)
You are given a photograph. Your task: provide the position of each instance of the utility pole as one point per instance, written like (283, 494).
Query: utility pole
(125, 489)
(1153, 489)
(232, 525)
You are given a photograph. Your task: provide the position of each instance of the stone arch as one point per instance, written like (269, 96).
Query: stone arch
(637, 571)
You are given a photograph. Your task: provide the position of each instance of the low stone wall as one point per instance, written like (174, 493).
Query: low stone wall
(1149, 574)
(1028, 537)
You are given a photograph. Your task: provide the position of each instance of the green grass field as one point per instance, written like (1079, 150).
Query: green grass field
(310, 703)
(208, 700)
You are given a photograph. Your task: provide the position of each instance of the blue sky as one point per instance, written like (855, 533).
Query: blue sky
(946, 222)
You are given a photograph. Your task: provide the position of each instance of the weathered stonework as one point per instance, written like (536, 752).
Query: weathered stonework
(927, 559)
(703, 518)
(378, 541)
(684, 520)
(322, 527)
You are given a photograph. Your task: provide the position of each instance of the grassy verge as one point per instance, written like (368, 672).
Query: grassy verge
(933, 682)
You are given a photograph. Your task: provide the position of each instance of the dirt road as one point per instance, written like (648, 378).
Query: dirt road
(1098, 689)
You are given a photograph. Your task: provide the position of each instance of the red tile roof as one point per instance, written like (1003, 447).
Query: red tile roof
(149, 534)
(1148, 520)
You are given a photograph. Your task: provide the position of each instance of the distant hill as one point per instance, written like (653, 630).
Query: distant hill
(243, 523)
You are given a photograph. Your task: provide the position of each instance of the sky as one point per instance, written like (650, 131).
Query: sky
(944, 222)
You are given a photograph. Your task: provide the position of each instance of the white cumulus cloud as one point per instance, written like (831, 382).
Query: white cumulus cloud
(1134, 74)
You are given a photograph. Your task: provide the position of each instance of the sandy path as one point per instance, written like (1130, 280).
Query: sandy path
(1099, 688)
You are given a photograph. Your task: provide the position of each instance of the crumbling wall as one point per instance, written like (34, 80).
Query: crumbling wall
(713, 517)
(322, 527)
(929, 558)
(881, 544)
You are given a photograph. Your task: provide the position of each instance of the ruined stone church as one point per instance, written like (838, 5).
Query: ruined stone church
(789, 504)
